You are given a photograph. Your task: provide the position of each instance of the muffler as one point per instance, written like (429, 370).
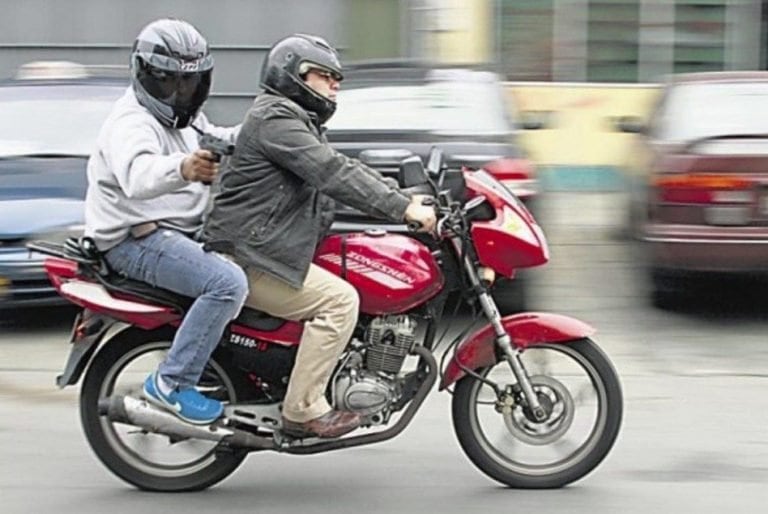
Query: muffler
(140, 413)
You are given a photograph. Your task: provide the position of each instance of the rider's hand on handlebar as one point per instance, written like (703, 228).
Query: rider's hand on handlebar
(421, 215)
(199, 166)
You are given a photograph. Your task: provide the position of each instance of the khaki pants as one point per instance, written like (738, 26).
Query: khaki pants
(329, 306)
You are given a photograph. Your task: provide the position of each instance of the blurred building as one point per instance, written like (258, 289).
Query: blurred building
(99, 32)
(585, 62)
(592, 40)
(627, 40)
(531, 40)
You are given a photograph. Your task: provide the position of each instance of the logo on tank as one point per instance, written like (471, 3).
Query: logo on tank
(372, 268)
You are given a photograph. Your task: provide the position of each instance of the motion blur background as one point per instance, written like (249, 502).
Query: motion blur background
(584, 62)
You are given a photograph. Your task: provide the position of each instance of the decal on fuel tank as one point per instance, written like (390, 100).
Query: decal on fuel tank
(373, 269)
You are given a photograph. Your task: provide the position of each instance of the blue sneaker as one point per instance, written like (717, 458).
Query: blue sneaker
(187, 404)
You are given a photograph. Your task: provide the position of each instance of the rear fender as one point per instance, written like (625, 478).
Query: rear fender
(95, 297)
(525, 329)
(88, 331)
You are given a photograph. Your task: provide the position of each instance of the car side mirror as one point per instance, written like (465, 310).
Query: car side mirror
(412, 172)
(630, 124)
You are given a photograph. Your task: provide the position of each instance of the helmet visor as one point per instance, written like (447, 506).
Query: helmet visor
(307, 66)
(177, 89)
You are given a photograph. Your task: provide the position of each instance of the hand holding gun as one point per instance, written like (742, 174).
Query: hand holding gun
(217, 146)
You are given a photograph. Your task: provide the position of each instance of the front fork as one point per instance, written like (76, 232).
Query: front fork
(503, 340)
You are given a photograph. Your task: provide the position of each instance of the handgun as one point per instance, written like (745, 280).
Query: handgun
(217, 146)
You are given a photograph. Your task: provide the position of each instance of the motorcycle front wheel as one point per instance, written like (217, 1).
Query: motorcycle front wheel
(146, 460)
(580, 392)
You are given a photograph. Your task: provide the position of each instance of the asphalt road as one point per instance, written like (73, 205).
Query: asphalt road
(694, 437)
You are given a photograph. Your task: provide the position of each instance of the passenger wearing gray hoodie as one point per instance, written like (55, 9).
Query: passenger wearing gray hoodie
(148, 187)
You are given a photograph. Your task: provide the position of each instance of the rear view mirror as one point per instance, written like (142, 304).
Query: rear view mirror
(412, 172)
(435, 162)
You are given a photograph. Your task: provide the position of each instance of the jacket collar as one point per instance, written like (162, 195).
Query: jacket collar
(305, 115)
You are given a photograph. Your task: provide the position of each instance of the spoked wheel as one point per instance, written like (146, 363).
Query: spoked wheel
(150, 461)
(580, 393)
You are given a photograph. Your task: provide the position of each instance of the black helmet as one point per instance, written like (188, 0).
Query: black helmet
(289, 60)
(171, 69)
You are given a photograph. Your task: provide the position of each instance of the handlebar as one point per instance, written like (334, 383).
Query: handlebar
(451, 215)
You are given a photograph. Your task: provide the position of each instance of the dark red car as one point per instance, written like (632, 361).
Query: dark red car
(699, 197)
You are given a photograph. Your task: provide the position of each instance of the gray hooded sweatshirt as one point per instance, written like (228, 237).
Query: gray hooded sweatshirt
(134, 175)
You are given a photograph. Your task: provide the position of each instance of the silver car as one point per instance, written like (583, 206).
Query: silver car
(49, 122)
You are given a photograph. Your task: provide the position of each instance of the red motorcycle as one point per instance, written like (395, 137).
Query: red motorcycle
(536, 404)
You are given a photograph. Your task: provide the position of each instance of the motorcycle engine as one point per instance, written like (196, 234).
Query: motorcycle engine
(367, 383)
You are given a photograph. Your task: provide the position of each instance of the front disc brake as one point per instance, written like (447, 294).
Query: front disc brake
(558, 404)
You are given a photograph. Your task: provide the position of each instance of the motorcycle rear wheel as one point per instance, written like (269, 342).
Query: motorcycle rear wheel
(149, 461)
(580, 389)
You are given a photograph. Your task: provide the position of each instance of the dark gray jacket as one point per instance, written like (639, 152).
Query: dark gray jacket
(276, 194)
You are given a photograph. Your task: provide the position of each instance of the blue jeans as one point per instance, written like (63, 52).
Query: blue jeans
(172, 261)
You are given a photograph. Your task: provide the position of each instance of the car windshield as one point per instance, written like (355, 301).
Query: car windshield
(42, 121)
(452, 108)
(696, 111)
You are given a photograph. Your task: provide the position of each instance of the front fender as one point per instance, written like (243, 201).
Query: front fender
(525, 329)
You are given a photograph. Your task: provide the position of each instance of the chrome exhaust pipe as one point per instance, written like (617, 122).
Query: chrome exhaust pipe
(139, 412)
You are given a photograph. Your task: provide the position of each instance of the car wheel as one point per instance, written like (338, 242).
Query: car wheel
(666, 292)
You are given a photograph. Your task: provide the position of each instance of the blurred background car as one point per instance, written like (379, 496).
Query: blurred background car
(397, 109)
(699, 182)
(50, 116)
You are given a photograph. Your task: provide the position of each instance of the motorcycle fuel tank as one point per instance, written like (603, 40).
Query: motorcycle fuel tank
(392, 273)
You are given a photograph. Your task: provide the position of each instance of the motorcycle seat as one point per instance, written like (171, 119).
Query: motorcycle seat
(252, 318)
(84, 249)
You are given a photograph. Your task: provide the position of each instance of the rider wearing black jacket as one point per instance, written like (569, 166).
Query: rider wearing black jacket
(276, 202)
(277, 196)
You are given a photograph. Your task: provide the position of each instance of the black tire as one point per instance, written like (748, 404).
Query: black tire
(668, 292)
(598, 440)
(113, 449)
